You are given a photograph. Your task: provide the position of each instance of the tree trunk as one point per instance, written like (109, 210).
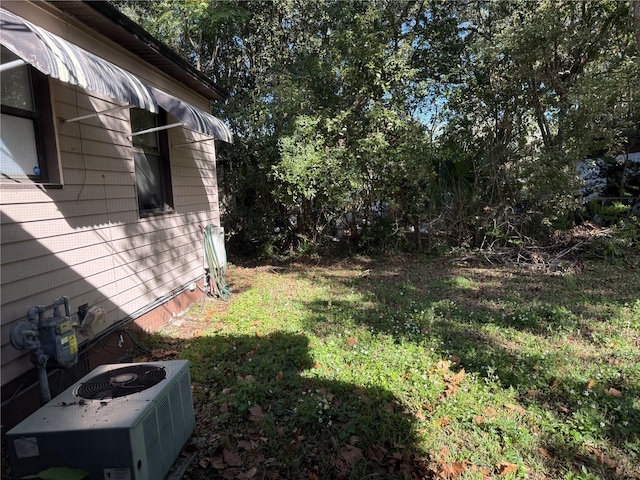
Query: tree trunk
(635, 12)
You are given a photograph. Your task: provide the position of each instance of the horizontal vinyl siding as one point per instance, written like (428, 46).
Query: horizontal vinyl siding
(81, 211)
(158, 226)
(87, 240)
(87, 245)
(70, 193)
(193, 174)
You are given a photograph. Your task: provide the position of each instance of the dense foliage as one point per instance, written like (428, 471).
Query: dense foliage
(409, 124)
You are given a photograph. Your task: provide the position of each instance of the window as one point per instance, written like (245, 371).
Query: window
(27, 134)
(152, 172)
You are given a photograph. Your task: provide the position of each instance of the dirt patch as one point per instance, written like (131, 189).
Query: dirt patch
(206, 314)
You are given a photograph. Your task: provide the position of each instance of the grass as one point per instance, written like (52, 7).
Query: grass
(410, 367)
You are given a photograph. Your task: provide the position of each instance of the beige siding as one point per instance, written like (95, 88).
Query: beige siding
(86, 240)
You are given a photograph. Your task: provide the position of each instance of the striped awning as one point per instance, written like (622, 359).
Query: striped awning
(69, 63)
(191, 117)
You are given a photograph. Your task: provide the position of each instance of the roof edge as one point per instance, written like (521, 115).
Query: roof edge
(147, 41)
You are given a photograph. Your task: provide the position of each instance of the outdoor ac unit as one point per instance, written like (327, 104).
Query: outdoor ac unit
(120, 422)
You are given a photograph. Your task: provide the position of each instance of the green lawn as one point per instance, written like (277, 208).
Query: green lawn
(410, 367)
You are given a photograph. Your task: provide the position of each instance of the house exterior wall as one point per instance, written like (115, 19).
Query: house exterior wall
(86, 240)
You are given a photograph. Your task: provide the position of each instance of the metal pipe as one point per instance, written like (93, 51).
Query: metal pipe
(43, 379)
(155, 129)
(13, 64)
(38, 357)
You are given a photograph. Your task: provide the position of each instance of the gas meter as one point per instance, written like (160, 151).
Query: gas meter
(50, 337)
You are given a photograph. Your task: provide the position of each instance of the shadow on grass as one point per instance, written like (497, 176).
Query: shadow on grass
(259, 408)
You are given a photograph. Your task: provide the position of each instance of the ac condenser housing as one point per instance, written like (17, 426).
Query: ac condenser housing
(129, 436)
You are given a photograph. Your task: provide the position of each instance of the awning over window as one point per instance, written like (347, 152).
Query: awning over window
(69, 63)
(193, 118)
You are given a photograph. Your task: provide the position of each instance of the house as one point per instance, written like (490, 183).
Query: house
(108, 169)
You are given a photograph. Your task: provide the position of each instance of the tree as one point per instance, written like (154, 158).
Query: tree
(635, 13)
(392, 117)
(543, 86)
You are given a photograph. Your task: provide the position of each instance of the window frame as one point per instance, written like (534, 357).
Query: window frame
(44, 131)
(163, 153)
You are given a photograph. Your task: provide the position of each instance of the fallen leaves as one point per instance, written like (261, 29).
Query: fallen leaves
(515, 408)
(231, 458)
(398, 464)
(349, 455)
(505, 468)
(602, 459)
(242, 459)
(419, 415)
(256, 413)
(458, 377)
(163, 354)
(533, 393)
(443, 467)
(451, 471)
(614, 361)
(376, 453)
(612, 392)
(237, 460)
(490, 412)
(452, 382)
(248, 474)
(247, 445)
(443, 366)
(545, 453)
(444, 421)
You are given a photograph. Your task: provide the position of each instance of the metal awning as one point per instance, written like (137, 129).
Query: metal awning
(193, 118)
(69, 63)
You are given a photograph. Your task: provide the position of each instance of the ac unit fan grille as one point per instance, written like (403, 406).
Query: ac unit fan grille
(121, 381)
